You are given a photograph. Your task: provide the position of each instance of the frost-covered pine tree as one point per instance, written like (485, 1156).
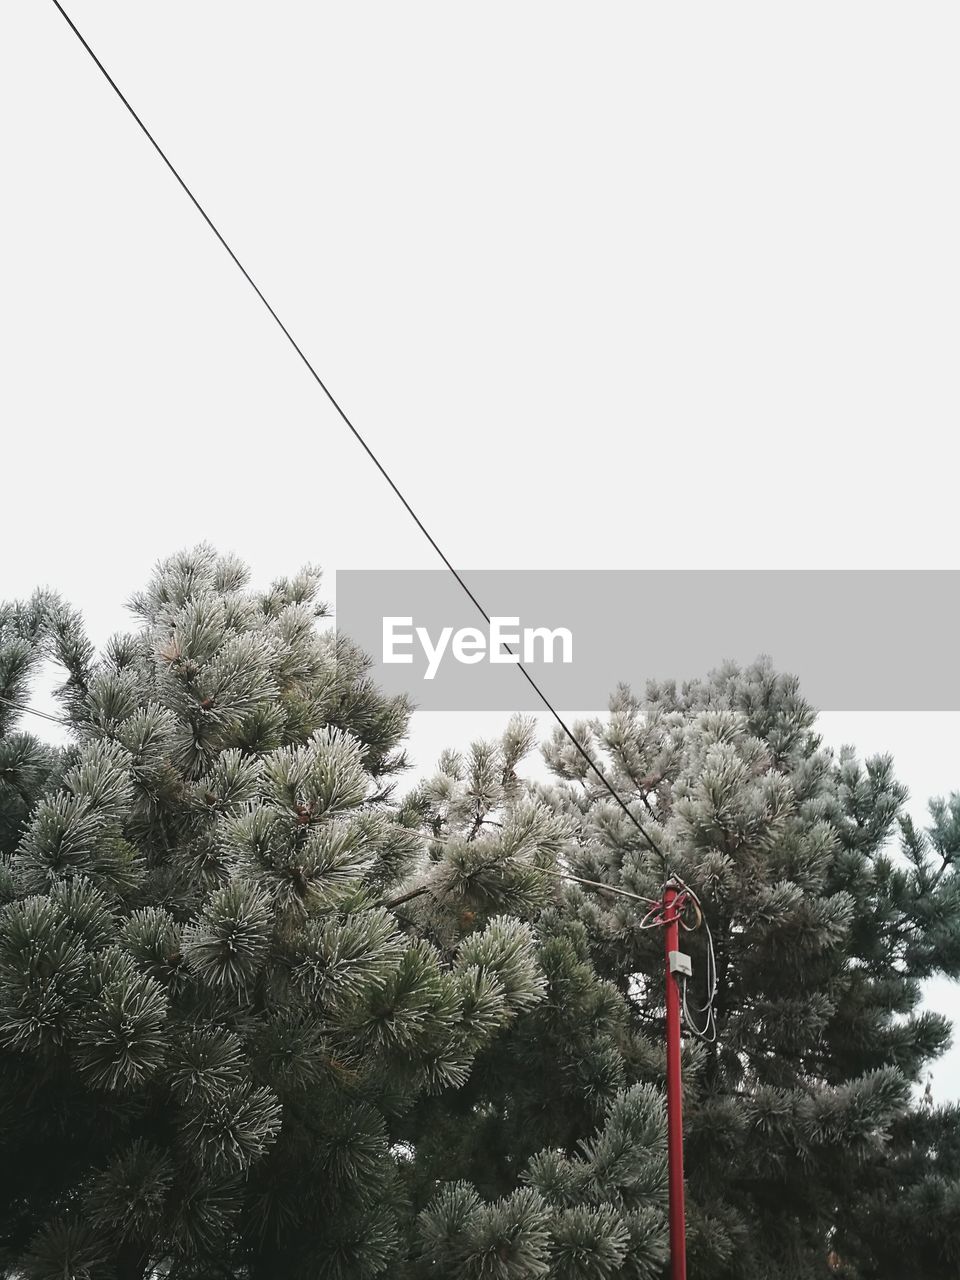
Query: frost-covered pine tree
(26, 764)
(554, 1143)
(260, 1017)
(240, 993)
(828, 910)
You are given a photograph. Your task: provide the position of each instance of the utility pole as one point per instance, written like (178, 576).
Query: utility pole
(674, 901)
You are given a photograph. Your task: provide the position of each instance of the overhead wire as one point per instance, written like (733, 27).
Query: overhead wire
(581, 750)
(650, 919)
(33, 711)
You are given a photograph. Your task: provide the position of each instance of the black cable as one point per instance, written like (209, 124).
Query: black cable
(33, 711)
(356, 434)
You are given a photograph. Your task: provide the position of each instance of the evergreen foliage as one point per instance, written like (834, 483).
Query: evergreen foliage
(263, 1016)
(25, 763)
(221, 1015)
(828, 909)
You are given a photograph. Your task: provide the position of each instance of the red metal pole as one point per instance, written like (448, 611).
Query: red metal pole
(678, 1224)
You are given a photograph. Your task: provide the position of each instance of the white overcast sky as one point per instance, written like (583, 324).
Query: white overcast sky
(604, 285)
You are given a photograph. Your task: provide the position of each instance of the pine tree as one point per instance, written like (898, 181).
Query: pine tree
(261, 1016)
(227, 1020)
(828, 910)
(554, 1143)
(26, 764)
